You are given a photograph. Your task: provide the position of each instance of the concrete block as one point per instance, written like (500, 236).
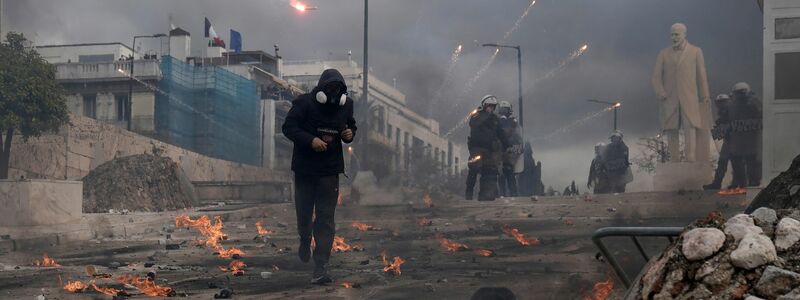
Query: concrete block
(40, 202)
(676, 176)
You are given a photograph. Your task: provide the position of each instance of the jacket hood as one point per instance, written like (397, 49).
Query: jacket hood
(329, 76)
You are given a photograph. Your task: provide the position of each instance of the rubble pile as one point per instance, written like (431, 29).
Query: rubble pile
(137, 183)
(749, 256)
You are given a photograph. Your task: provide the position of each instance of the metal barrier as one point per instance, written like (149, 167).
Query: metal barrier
(633, 233)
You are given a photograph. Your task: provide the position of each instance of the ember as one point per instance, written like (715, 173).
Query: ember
(212, 233)
(364, 227)
(340, 245)
(513, 232)
(733, 191)
(261, 229)
(347, 285)
(393, 267)
(236, 268)
(484, 252)
(75, 287)
(427, 200)
(450, 245)
(46, 262)
(424, 222)
(107, 290)
(147, 286)
(601, 290)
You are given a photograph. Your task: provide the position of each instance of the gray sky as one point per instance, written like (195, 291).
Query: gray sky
(412, 40)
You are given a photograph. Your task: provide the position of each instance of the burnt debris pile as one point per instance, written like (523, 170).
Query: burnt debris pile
(141, 182)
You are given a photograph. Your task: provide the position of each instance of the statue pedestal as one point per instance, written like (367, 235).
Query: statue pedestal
(676, 176)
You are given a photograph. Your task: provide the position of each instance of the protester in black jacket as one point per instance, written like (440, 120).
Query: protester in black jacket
(318, 123)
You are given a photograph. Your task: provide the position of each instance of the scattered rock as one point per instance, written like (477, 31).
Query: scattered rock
(700, 243)
(787, 233)
(753, 298)
(765, 215)
(266, 275)
(793, 295)
(775, 282)
(430, 288)
(739, 229)
(114, 265)
(753, 251)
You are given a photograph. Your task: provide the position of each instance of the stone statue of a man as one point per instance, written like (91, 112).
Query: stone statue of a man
(680, 82)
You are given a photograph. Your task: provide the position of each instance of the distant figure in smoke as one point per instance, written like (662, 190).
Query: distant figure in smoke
(317, 124)
(721, 131)
(530, 180)
(616, 165)
(597, 177)
(511, 131)
(485, 143)
(745, 137)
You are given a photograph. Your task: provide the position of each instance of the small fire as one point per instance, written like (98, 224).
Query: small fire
(347, 285)
(364, 227)
(393, 267)
(450, 245)
(147, 286)
(474, 159)
(513, 232)
(340, 245)
(427, 200)
(484, 252)
(75, 286)
(261, 229)
(107, 290)
(601, 290)
(424, 222)
(236, 268)
(733, 191)
(212, 232)
(474, 111)
(46, 262)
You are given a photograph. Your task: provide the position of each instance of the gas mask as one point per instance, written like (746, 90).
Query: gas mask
(334, 94)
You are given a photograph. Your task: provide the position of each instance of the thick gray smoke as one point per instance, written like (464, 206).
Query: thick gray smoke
(412, 40)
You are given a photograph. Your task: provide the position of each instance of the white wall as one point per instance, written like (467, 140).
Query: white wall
(180, 47)
(67, 53)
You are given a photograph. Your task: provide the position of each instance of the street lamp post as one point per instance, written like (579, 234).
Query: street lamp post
(365, 89)
(519, 77)
(614, 105)
(129, 105)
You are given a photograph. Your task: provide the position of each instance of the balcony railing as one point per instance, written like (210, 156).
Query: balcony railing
(103, 71)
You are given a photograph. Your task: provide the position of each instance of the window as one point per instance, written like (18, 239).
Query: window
(787, 28)
(96, 58)
(122, 107)
(787, 70)
(389, 130)
(90, 106)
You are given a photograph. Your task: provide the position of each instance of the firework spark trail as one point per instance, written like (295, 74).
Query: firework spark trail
(573, 125)
(448, 78)
(574, 55)
(519, 21)
(458, 126)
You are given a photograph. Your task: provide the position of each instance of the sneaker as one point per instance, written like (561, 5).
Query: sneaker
(304, 251)
(320, 276)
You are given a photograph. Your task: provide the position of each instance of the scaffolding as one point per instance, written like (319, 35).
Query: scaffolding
(209, 110)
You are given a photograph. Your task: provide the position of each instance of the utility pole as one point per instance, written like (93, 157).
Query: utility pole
(365, 90)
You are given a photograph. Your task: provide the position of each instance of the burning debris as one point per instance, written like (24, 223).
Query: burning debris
(393, 267)
(46, 262)
(424, 222)
(733, 191)
(450, 245)
(212, 233)
(75, 287)
(261, 230)
(484, 252)
(426, 199)
(513, 232)
(364, 227)
(601, 290)
(235, 268)
(350, 285)
(109, 291)
(747, 255)
(147, 286)
(340, 245)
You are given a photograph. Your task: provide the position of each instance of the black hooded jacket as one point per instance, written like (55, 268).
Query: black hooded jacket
(309, 119)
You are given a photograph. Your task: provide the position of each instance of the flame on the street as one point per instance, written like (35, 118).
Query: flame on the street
(340, 245)
(733, 191)
(147, 286)
(424, 222)
(261, 230)
(46, 262)
(450, 245)
(106, 290)
(392, 267)
(236, 268)
(601, 290)
(347, 285)
(513, 232)
(212, 233)
(75, 286)
(484, 252)
(427, 200)
(364, 227)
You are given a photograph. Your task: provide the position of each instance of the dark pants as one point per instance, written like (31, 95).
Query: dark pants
(722, 165)
(315, 204)
(472, 177)
(508, 181)
(746, 171)
(488, 191)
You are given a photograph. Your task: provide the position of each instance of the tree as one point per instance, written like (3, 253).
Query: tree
(31, 101)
